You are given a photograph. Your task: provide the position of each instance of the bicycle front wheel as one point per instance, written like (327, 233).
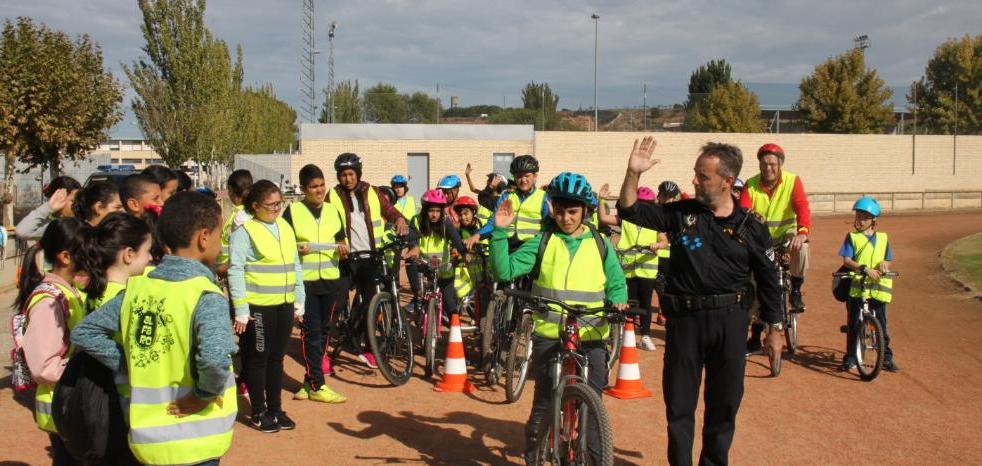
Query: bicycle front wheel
(791, 332)
(516, 368)
(583, 436)
(431, 325)
(489, 340)
(869, 348)
(614, 342)
(389, 338)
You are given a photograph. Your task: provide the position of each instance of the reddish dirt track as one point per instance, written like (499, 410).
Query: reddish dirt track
(812, 414)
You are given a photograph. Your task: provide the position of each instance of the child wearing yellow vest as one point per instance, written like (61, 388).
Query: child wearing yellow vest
(433, 237)
(115, 250)
(320, 239)
(265, 277)
(238, 185)
(169, 332)
(572, 267)
(867, 252)
(51, 308)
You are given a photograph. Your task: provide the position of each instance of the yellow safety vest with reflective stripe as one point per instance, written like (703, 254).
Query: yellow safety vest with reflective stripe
(870, 255)
(45, 392)
(155, 332)
(435, 247)
(528, 214)
(374, 208)
(406, 205)
(467, 276)
(483, 214)
(227, 227)
(776, 208)
(638, 264)
(271, 280)
(574, 280)
(319, 234)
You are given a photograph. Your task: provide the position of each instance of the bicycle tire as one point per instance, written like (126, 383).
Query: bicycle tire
(574, 450)
(392, 346)
(519, 353)
(488, 341)
(431, 325)
(791, 332)
(614, 342)
(870, 337)
(775, 362)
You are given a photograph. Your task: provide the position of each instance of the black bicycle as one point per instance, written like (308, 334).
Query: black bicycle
(578, 431)
(870, 344)
(387, 327)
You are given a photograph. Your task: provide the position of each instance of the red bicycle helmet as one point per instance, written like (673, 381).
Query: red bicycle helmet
(770, 148)
(645, 194)
(465, 202)
(435, 197)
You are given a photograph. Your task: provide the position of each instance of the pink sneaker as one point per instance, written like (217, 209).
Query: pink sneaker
(326, 366)
(243, 389)
(368, 359)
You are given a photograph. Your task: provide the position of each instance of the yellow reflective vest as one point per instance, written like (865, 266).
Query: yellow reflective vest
(776, 208)
(44, 394)
(635, 263)
(319, 233)
(406, 205)
(227, 229)
(574, 280)
(377, 225)
(435, 247)
(528, 214)
(870, 255)
(271, 279)
(155, 334)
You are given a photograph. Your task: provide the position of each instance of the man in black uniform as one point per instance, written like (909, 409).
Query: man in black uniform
(716, 245)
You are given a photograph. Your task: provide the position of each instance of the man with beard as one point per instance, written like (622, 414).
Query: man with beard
(715, 247)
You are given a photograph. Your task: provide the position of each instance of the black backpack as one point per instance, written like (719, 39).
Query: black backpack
(841, 285)
(88, 414)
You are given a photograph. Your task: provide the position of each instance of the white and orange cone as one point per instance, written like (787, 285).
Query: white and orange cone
(455, 374)
(628, 385)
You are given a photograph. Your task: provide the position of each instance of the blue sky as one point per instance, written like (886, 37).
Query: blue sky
(485, 52)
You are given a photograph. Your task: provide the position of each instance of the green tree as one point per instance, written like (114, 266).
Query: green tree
(187, 88)
(384, 104)
(516, 116)
(422, 108)
(266, 124)
(843, 96)
(347, 103)
(956, 61)
(729, 108)
(705, 78)
(539, 98)
(56, 99)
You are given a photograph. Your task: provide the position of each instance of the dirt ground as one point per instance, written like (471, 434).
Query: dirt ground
(929, 413)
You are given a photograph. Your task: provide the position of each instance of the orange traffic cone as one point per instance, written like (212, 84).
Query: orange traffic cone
(455, 376)
(628, 384)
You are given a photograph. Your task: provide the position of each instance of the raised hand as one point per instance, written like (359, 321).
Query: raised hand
(640, 160)
(604, 191)
(58, 200)
(504, 216)
(468, 170)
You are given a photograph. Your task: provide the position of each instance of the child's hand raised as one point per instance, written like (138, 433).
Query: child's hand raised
(504, 215)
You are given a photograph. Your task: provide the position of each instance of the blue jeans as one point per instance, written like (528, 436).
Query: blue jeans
(854, 306)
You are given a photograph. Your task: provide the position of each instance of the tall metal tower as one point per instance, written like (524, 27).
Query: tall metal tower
(307, 96)
(330, 70)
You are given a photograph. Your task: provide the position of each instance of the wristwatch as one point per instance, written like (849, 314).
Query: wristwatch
(779, 326)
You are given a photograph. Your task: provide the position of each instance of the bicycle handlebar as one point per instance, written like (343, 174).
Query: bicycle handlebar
(398, 242)
(576, 309)
(849, 274)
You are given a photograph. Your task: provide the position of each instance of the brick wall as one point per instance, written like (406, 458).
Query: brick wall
(826, 163)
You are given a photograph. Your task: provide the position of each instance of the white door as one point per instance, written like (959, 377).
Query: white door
(419, 174)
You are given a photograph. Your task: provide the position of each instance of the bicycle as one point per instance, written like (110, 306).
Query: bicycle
(435, 322)
(518, 333)
(789, 315)
(869, 345)
(386, 324)
(575, 406)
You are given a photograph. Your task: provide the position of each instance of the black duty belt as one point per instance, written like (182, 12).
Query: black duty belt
(696, 303)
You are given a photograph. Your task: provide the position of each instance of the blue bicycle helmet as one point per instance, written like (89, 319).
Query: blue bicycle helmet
(572, 186)
(398, 179)
(867, 204)
(449, 182)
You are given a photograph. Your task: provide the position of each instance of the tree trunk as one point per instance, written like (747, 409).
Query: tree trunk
(54, 170)
(8, 192)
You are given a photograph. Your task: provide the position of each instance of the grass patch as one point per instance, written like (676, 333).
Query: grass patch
(964, 260)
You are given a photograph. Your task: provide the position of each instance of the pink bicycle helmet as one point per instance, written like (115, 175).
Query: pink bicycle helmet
(645, 194)
(435, 197)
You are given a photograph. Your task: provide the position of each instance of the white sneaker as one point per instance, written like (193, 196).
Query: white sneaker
(647, 344)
